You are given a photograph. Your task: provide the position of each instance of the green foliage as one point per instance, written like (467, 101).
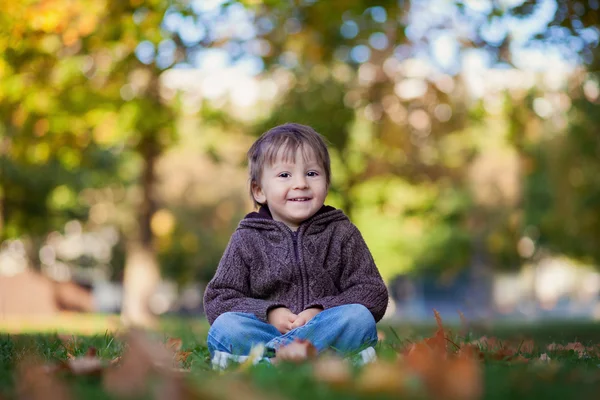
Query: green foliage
(79, 110)
(563, 189)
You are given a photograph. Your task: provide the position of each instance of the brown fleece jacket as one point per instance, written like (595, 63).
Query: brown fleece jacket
(325, 263)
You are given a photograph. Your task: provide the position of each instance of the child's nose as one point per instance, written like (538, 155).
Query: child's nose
(300, 182)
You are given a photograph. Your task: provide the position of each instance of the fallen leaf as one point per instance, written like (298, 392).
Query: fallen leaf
(35, 383)
(470, 350)
(382, 377)
(143, 358)
(462, 379)
(256, 354)
(233, 389)
(333, 371)
(89, 364)
(174, 344)
(297, 351)
(69, 342)
(527, 346)
(438, 342)
(577, 347)
(182, 356)
(519, 360)
(545, 358)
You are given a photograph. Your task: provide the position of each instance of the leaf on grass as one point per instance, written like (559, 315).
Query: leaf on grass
(142, 357)
(333, 371)
(576, 347)
(232, 388)
(438, 342)
(89, 364)
(182, 356)
(422, 359)
(470, 350)
(174, 344)
(382, 377)
(496, 349)
(298, 351)
(256, 354)
(544, 358)
(462, 379)
(69, 342)
(35, 383)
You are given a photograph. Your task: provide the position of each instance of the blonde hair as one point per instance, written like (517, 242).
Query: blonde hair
(286, 138)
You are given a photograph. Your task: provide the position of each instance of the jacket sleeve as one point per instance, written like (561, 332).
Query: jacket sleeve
(361, 282)
(229, 289)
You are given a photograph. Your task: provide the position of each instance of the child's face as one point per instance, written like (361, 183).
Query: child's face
(293, 191)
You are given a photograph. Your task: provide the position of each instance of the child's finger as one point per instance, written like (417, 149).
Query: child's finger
(299, 322)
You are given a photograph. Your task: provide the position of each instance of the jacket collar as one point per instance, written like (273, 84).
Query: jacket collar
(264, 212)
(262, 219)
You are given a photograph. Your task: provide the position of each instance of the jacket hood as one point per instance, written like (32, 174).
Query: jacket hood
(262, 219)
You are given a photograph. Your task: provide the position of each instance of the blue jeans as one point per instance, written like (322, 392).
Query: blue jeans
(347, 329)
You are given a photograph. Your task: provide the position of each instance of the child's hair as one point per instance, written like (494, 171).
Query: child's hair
(287, 138)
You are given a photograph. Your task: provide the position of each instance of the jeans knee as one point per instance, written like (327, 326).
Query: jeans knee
(359, 317)
(225, 325)
(225, 320)
(223, 332)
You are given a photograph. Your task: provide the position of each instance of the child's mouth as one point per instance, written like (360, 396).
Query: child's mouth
(300, 199)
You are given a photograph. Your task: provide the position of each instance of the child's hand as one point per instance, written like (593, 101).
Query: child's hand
(282, 319)
(305, 316)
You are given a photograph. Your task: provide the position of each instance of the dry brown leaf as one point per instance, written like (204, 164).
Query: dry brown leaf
(470, 350)
(577, 347)
(182, 356)
(503, 353)
(333, 371)
(115, 361)
(461, 379)
(544, 358)
(35, 383)
(519, 359)
(422, 359)
(174, 387)
(554, 347)
(89, 364)
(232, 388)
(382, 377)
(527, 346)
(142, 357)
(438, 342)
(174, 344)
(69, 342)
(298, 351)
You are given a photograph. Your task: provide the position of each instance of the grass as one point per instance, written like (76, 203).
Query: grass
(574, 378)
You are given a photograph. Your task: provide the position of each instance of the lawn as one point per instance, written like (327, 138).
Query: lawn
(36, 365)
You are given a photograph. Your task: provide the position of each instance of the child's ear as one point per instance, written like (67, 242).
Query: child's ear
(258, 194)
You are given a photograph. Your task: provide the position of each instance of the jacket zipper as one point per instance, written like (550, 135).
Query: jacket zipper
(297, 258)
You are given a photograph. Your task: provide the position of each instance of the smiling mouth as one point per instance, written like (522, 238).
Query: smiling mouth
(300, 199)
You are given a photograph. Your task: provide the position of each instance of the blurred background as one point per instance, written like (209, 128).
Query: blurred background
(464, 135)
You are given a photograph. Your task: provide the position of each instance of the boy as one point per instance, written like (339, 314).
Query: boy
(296, 268)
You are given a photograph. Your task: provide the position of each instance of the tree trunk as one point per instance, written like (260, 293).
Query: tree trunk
(142, 273)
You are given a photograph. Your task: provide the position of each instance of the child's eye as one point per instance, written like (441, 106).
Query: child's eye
(313, 173)
(284, 175)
